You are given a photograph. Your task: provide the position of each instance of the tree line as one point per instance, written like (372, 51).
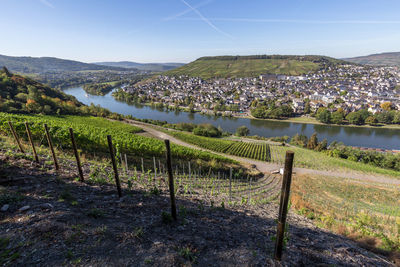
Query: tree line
(361, 117)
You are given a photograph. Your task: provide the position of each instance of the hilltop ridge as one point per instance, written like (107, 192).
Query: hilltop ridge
(28, 65)
(142, 66)
(381, 59)
(253, 66)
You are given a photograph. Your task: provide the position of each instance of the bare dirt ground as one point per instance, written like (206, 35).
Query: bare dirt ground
(54, 220)
(266, 167)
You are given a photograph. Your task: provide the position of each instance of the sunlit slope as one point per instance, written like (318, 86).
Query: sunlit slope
(252, 66)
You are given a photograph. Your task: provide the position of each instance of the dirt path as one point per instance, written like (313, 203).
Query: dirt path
(266, 167)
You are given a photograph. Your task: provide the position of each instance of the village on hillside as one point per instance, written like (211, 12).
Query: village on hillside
(349, 87)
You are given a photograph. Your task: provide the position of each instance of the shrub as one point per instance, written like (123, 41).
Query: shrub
(242, 131)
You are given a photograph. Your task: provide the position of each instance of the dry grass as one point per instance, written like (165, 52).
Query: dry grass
(365, 212)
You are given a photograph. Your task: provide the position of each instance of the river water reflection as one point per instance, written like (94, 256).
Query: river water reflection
(353, 136)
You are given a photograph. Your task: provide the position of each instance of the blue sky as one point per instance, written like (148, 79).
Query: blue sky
(183, 30)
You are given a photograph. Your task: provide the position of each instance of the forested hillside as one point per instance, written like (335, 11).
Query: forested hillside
(19, 94)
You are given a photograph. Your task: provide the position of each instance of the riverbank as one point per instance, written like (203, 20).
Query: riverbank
(376, 137)
(247, 115)
(312, 120)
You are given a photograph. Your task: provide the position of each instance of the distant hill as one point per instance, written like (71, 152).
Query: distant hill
(142, 66)
(253, 66)
(388, 59)
(30, 65)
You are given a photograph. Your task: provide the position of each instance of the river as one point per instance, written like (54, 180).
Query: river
(352, 136)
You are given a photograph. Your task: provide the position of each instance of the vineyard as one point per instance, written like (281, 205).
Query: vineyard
(140, 160)
(91, 134)
(252, 150)
(241, 149)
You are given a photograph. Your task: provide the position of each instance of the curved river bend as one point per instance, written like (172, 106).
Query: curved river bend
(352, 136)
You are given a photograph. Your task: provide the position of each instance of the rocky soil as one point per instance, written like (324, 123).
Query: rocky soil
(51, 219)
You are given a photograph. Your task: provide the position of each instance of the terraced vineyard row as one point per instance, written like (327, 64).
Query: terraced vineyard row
(250, 150)
(91, 135)
(242, 149)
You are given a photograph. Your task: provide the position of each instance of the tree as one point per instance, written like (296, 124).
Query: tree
(337, 117)
(207, 129)
(287, 111)
(312, 142)
(387, 106)
(364, 114)
(307, 108)
(258, 112)
(33, 93)
(322, 145)
(384, 117)
(242, 131)
(191, 107)
(371, 120)
(299, 140)
(323, 115)
(396, 117)
(5, 70)
(355, 118)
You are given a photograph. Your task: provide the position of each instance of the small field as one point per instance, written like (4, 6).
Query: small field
(310, 159)
(366, 212)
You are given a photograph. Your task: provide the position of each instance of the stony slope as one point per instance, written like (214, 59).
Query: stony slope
(54, 220)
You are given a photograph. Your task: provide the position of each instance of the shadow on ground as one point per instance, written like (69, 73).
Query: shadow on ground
(73, 223)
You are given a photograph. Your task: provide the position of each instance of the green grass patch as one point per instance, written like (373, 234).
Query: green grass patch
(319, 161)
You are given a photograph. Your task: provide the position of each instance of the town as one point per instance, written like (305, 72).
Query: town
(346, 87)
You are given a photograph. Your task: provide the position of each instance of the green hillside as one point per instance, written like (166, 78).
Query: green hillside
(19, 94)
(252, 66)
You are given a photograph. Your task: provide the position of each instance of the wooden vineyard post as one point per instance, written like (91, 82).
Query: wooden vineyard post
(155, 170)
(114, 163)
(283, 207)
(126, 165)
(170, 180)
(16, 136)
(50, 142)
(122, 161)
(250, 190)
(230, 184)
(218, 182)
(78, 161)
(28, 131)
(190, 179)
